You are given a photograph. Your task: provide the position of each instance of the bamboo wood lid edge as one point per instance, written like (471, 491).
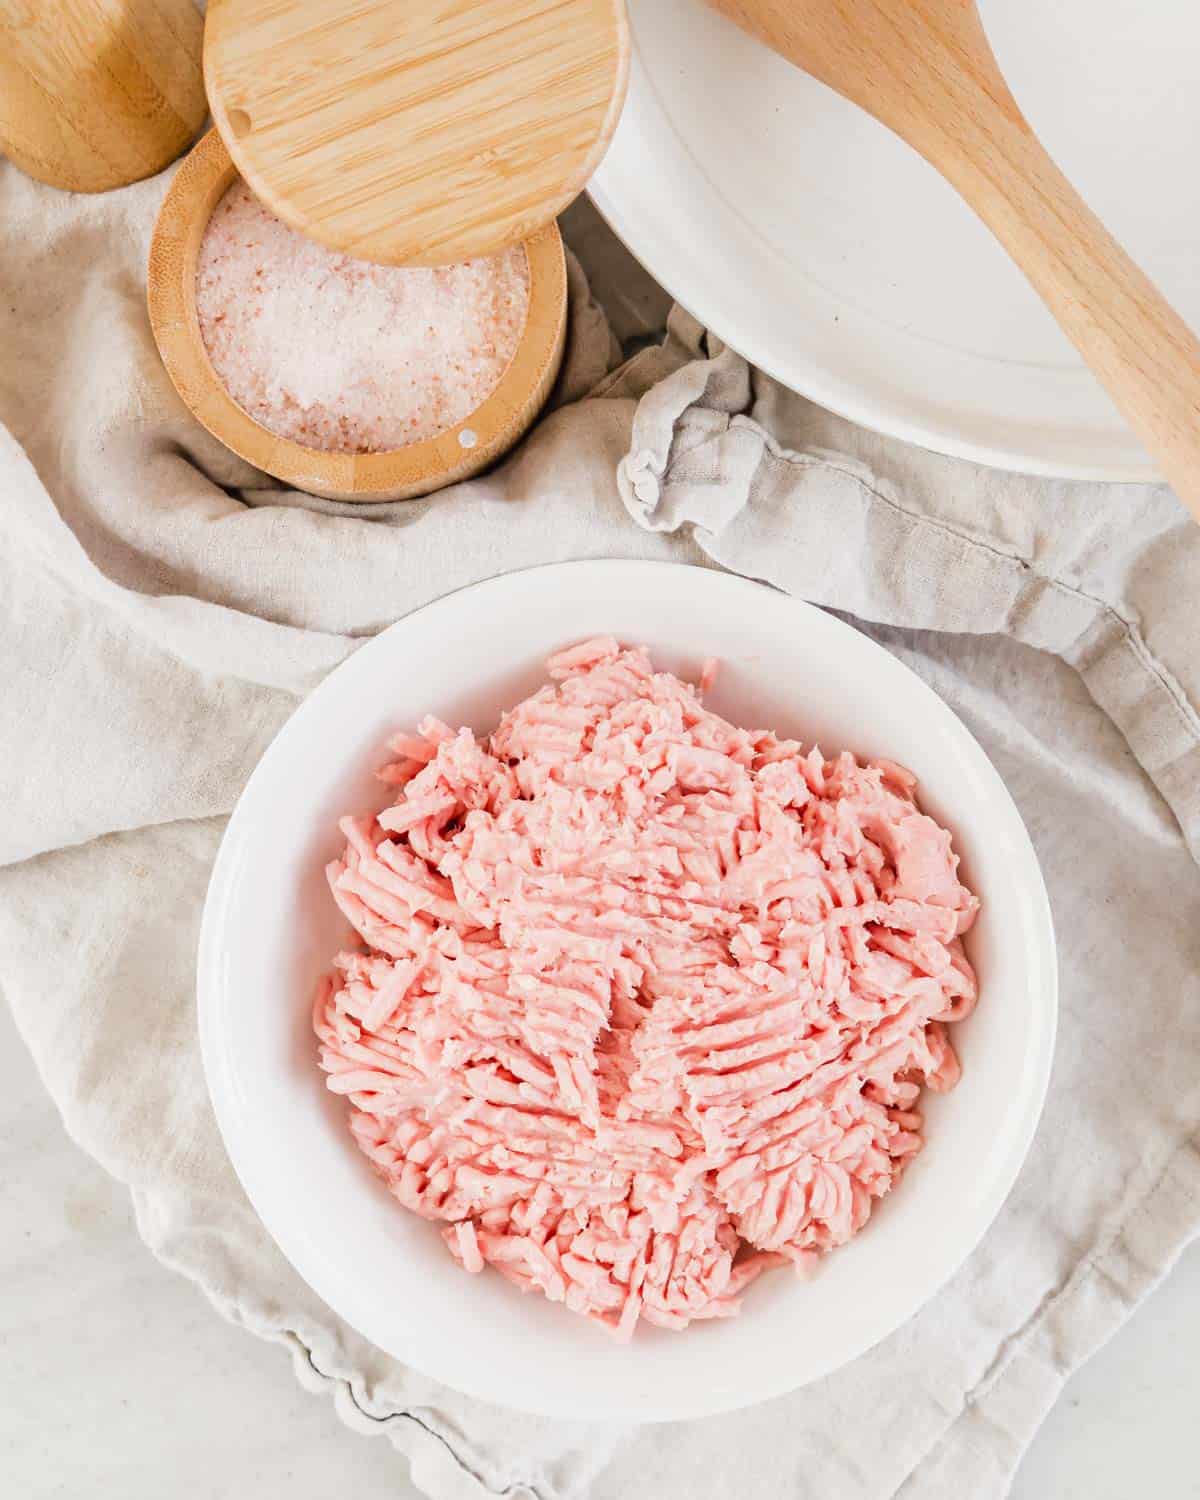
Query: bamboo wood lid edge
(416, 131)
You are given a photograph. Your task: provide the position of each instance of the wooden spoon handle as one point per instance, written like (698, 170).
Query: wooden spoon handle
(926, 70)
(1136, 344)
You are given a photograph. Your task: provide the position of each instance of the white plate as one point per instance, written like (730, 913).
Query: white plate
(833, 257)
(270, 929)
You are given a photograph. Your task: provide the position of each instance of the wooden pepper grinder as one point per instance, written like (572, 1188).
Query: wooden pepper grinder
(95, 94)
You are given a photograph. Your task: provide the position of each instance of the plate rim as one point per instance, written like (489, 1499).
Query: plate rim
(799, 372)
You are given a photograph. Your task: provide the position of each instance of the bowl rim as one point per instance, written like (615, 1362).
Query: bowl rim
(465, 449)
(270, 1199)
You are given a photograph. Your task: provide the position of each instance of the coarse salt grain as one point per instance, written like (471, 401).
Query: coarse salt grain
(344, 355)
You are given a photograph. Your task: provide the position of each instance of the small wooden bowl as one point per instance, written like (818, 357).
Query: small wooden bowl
(396, 474)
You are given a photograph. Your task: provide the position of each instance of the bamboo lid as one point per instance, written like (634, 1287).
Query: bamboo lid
(419, 131)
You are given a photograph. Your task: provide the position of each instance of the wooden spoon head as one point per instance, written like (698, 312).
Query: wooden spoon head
(416, 131)
(901, 60)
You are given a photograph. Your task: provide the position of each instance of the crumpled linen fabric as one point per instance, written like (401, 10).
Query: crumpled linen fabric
(165, 608)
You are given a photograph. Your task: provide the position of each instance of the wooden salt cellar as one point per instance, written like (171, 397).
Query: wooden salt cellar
(404, 132)
(465, 449)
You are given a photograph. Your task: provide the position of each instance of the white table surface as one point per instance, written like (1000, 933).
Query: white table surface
(118, 1380)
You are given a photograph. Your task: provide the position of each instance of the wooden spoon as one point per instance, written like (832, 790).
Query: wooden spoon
(924, 68)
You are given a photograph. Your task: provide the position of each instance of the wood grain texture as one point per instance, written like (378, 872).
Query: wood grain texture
(95, 94)
(400, 474)
(926, 70)
(416, 131)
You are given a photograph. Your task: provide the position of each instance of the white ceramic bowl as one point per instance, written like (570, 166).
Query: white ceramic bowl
(270, 929)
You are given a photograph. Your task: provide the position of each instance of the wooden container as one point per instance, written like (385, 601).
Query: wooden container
(398, 474)
(95, 94)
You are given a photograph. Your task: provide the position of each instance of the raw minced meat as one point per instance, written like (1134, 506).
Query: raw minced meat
(646, 1001)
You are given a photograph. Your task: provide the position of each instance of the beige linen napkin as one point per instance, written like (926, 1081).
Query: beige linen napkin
(164, 608)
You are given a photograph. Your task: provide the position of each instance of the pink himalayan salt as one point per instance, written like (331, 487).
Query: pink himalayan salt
(646, 1001)
(344, 355)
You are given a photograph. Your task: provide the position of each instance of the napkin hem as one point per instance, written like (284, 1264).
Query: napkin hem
(992, 1430)
(977, 1452)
